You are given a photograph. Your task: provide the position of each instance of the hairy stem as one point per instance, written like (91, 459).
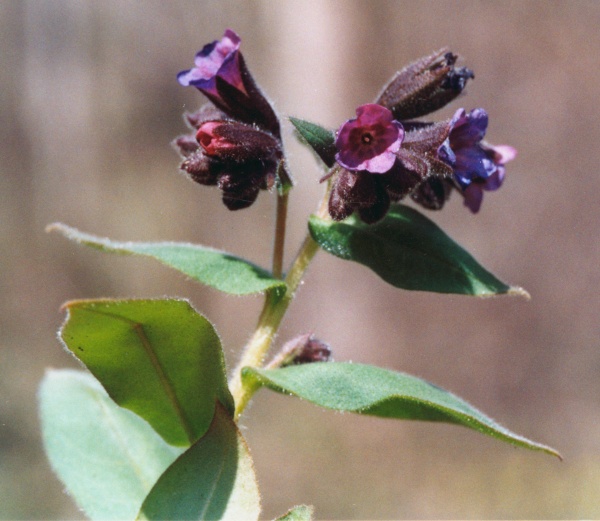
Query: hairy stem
(272, 314)
(282, 205)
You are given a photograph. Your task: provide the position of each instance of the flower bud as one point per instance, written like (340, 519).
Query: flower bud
(303, 349)
(237, 142)
(424, 86)
(201, 169)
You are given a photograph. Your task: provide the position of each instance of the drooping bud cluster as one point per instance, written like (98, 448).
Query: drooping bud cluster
(236, 140)
(384, 157)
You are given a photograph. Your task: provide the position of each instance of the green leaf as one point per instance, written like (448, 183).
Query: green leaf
(409, 251)
(213, 479)
(158, 358)
(214, 268)
(365, 389)
(321, 140)
(107, 457)
(299, 513)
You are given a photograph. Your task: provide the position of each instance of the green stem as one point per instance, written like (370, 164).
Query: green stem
(282, 205)
(272, 314)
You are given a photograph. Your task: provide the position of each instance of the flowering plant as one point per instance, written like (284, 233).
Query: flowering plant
(150, 431)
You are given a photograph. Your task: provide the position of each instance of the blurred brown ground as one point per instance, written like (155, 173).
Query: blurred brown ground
(89, 103)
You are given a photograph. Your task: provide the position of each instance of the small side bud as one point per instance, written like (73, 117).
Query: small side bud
(425, 85)
(304, 349)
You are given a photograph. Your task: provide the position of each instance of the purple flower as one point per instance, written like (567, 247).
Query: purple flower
(382, 163)
(370, 141)
(220, 73)
(217, 59)
(477, 166)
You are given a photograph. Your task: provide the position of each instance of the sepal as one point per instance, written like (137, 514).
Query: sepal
(425, 86)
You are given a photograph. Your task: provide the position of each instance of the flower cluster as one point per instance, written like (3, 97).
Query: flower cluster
(383, 157)
(384, 154)
(236, 139)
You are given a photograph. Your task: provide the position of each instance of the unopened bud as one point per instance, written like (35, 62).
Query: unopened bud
(236, 142)
(424, 86)
(303, 349)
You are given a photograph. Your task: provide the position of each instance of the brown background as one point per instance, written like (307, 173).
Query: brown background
(89, 103)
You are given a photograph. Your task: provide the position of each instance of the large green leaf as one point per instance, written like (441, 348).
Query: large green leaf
(408, 251)
(213, 479)
(214, 268)
(107, 457)
(158, 358)
(365, 389)
(321, 140)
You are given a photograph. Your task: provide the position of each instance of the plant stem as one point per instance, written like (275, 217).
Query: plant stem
(272, 314)
(282, 205)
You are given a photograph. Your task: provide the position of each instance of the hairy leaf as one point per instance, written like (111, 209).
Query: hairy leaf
(321, 140)
(107, 457)
(213, 479)
(409, 251)
(158, 358)
(214, 268)
(365, 389)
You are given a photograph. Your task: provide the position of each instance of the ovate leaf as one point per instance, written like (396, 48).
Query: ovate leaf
(107, 457)
(321, 140)
(213, 479)
(409, 251)
(158, 358)
(214, 268)
(365, 389)
(299, 513)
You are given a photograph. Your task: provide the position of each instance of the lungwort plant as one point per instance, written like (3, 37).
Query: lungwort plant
(150, 431)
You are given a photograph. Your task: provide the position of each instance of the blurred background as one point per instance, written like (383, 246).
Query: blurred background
(89, 104)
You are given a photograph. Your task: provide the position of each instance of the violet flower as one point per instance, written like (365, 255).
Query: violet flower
(477, 166)
(220, 73)
(217, 59)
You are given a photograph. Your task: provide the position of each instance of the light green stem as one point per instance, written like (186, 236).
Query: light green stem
(270, 318)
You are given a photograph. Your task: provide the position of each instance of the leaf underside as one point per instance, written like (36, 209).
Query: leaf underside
(107, 457)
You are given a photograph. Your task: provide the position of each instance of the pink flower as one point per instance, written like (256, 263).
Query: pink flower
(370, 141)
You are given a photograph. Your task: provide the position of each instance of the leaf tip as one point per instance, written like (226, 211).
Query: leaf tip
(56, 227)
(517, 291)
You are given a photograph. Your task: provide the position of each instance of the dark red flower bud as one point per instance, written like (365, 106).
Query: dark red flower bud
(201, 169)
(424, 86)
(237, 142)
(304, 349)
